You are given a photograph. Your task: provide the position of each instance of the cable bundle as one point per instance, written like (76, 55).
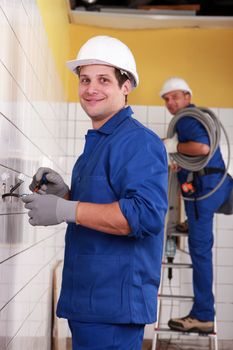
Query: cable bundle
(212, 125)
(213, 128)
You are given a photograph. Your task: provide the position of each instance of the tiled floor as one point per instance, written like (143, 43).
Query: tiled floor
(146, 345)
(178, 345)
(188, 345)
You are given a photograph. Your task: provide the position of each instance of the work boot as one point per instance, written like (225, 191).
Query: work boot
(189, 324)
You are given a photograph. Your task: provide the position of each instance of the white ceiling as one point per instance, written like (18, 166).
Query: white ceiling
(144, 21)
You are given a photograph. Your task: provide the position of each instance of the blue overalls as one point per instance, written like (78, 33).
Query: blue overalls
(111, 279)
(200, 218)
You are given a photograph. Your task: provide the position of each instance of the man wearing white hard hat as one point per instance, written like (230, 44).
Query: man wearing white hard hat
(191, 139)
(115, 208)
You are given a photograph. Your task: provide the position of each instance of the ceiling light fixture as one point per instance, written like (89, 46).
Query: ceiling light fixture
(89, 2)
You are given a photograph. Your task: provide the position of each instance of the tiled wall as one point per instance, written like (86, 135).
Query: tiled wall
(157, 119)
(33, 127)
(39, 128)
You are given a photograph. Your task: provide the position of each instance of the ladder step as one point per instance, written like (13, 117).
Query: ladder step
(177, 265)
(170, 331)
(176, 297)
(177, 234)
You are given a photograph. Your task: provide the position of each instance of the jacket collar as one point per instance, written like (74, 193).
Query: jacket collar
(116, 120)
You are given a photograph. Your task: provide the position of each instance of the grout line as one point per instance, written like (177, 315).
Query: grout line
(30, 280)
(29, 247)
(46, 155)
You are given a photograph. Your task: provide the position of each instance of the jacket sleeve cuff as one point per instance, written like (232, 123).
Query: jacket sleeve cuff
(131, 215)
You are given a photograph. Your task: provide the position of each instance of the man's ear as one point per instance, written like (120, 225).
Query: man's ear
(127, 87)
(188, 98)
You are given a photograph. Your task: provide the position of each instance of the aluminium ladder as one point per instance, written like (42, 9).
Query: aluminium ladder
(213, 342)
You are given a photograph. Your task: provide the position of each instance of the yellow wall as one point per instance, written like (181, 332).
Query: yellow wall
(204, 57)
(55, 18)
(201, 56)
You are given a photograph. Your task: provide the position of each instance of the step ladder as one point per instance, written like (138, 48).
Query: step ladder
(158, 330)
(165, 331)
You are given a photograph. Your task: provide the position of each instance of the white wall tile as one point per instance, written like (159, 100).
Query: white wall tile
(226, 116)
(224, 293)
(70, 147)
(159, 129)
(224, 222)
(72, 111)
(81, 128)
(224, 275)
(140, 113)
(225, 331)
(33, 129)
(71, 128)
(224, 312)
(156, 115)
(224, 239)
(225, 257)
(80, 114)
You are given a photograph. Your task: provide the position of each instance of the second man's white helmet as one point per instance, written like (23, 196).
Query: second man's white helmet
(173, 84)
(109, 51)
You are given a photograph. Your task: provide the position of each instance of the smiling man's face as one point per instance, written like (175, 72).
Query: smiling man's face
(100, 94)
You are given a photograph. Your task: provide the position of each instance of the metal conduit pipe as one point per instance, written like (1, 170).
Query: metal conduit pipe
(213, 127)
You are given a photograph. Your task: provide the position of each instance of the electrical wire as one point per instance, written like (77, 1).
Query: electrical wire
(213, 128)
(11, 193)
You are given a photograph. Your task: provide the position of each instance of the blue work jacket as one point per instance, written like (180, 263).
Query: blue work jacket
(112, 278)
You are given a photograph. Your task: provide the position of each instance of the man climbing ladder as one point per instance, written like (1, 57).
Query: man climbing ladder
(191, 139)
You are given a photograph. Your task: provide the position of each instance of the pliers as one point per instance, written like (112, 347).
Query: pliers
(43, 181)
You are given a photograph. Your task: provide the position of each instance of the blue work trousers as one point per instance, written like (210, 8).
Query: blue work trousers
(201, 240)
(98, 336)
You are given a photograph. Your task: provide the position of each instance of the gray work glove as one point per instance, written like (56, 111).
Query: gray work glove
(54, 184)
(49, 209)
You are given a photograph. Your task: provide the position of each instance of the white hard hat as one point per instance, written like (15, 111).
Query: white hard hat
(108, 51)
(173, 84)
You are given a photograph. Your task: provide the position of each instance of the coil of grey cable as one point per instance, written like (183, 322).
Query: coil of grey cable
(213, 128)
